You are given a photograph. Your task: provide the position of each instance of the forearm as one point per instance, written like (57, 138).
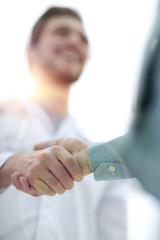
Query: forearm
(7, 169)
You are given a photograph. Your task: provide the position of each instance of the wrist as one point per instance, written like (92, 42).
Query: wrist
(84, 161)
(7, 169)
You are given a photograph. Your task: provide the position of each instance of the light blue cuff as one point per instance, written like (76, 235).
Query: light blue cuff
(106, 161)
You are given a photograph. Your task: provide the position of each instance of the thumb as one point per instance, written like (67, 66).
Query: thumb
(47, 144)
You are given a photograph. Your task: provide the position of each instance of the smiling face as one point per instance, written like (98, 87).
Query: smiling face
(62, 48)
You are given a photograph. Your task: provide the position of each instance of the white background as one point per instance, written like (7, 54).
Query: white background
(103, 98)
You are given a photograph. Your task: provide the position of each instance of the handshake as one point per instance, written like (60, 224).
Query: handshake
(52, 168)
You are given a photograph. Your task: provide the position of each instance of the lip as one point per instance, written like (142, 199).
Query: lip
(69, 55)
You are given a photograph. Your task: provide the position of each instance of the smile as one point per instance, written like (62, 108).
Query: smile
(70, 56)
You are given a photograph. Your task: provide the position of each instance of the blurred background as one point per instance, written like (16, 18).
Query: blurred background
(103, 99)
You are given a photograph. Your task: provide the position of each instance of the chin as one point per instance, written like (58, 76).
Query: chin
(69, 75)
(70, 78)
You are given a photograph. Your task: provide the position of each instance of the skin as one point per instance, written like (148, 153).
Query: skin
(76, 147)
(50, 171)
(56, 61)
(74, 159)
(61, 51)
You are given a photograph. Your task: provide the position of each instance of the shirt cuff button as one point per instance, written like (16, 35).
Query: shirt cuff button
(112, 169)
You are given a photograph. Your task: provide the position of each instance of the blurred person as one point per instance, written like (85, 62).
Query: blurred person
(135, 154)
(57, 52)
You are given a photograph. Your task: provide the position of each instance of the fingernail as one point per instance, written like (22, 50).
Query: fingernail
(79, 179)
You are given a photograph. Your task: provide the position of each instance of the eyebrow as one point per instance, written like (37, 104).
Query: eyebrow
(66, 27)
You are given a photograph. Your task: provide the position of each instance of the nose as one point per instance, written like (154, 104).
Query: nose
(75, 40)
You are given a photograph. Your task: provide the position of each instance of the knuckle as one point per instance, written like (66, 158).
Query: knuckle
(34, 167)
(69, 161)
(53, 151)
(62, 176)
(55, 147)
(43, 156)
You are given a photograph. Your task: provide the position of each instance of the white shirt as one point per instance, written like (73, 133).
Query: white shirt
(91, 210)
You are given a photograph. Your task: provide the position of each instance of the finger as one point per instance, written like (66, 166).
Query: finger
(28, 188)
(19, 184)
(13, 180)
(51, 180)
(16, 182)
(43, 188)
(70, 164)
(35, 192)
(47, 144)
(58, 170)
(24, 182)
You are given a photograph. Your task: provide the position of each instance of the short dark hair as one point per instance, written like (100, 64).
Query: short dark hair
(50, 13)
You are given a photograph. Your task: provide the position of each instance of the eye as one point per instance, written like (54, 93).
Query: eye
(61, 32)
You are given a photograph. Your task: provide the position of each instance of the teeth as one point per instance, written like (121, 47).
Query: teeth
(69, 56)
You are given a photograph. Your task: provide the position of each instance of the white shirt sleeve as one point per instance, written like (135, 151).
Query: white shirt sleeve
(10, 125)
(3, 158)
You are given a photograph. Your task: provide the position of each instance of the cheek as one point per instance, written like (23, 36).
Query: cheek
(85, 53)
(46, 45)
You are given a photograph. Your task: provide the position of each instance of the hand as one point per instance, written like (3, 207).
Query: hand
(76, 147)
(22, 184)
(48, 171)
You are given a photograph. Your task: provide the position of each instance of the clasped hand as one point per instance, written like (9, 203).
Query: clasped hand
(52, 168)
